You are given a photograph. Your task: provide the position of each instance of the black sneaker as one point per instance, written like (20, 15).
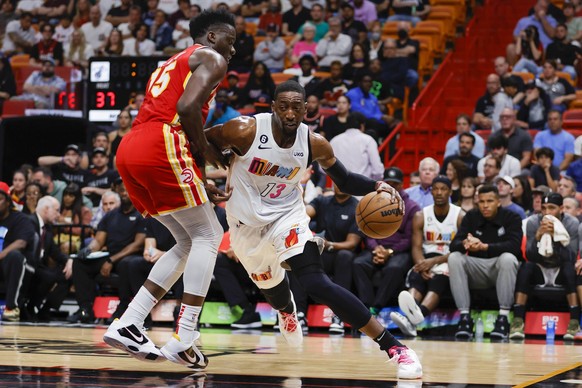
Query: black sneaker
(249, 320)
(336, 326)
(303, 321)
(501, 329)
(465, 328)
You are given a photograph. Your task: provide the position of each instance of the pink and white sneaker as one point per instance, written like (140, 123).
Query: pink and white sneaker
(290, 327)
(408, 363)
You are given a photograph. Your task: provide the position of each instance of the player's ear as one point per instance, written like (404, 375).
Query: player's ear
(211, 36)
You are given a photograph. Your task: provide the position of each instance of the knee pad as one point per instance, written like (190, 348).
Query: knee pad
(307, 262)
(278, 296)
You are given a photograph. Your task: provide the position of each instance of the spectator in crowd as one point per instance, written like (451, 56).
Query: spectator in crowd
(43, 86)
(294, 18)
(50, 282)
(485, 253)
(498, 146)
(567, 187)
(358, 63)
(330, 89)
(73, 212)
(544, 172)
(134, 20)
(468, 193)
(124, 120)
(358, 152)
(519, 143)
(541, 20)
(549, 262)
(522, 194)
(80, 14)
(161, 31)
(44, 177)
(394, 68)
(559, 90)
(433, 229)
(232, 88)
(317, 15)
(242, 60)
(463, 122)
(421, 194)
(380, 86)
(47, 47)
(17, 189)
(271, 51)
(414, 179)
(17, 234)
(375, 41)
(33, 192)
(221, 112)
(20, 36)
(537, 195)
(334, 216)
(306, 46)
(505, 186)
(150, 12)
(341, 121)
(574, 170)
(260, 83)
(272, 15)
(313, 118)
(100, 178)
(122, 231)
(559, 140)
(67, 168)
(456, 171)
(51, 11)
(491, 170)
(306, 77)
(502, 70)
(530, 50)
(573, 22)
(114, 45)
(183, 13)
(365, 11)
(563, 52)
(572, 207)
(139, 45)
(78, 51)
(7, 81)
(333, 46)
(391, 256)
(120, 14)
(96, 30)
(7, 15)
(355, 29)
(109, 201)
(490, 105)
(253, 8)
(410, 49)
(409, 11)
(465, 155)
(533, 108)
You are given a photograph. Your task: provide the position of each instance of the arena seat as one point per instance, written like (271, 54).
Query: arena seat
(14, 108)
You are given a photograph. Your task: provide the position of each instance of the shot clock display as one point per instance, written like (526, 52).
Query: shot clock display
(113, 82)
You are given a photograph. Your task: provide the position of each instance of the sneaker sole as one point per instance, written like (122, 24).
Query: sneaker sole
(181, 361)
(142, 356)
(409, 307)
(517, 336)
(402, 326)
(498, 336)
(253, 325)
(463, 335)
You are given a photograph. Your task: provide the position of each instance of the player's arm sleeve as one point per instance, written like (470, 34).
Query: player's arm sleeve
(349, 182)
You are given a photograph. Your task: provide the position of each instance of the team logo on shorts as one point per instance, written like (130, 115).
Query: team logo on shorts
(293, 237)
(187, 176)
(258, 277)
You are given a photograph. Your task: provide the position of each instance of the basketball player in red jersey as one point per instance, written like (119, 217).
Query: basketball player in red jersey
(156, 161)
(269, 227)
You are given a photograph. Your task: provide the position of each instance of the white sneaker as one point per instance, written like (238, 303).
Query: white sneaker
(408, 305)
(408, 363)
(132, 340)
(336, 326)
(185, 354)
(405, 326)
(290, 327)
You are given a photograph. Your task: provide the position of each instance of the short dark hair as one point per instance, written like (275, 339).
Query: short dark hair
(497, 141)
(489, 189)
(467, 134)
(138, 27)
(200, 24)
(45, 171)
(545, 151)
(289, 86)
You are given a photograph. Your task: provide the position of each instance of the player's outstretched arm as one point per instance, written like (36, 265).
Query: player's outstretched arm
(347, 181)
(208, 69)
(236, 134)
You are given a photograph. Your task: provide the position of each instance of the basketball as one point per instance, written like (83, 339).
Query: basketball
(377, 216)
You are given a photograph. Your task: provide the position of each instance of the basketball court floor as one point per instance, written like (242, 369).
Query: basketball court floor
(64, 356)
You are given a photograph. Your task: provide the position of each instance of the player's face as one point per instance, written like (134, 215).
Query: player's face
(440, 193)
(488, 205)
(224, 41)
(289, 109)
(551, 210)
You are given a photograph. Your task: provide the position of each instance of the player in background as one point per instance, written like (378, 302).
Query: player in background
(161, 162)
(269, 225)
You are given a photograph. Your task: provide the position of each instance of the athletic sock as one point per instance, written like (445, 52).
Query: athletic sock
(519, 311)
(424, 310)
(504, 312)
(386, 341)
(139, 308)
(575, 312)
(187, 320)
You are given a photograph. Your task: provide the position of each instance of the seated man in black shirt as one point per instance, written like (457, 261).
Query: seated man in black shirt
(563, 52)
(100, 177)
(465, 155)
(330, 89)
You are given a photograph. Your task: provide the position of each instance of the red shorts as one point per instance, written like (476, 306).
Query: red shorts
(158, 170)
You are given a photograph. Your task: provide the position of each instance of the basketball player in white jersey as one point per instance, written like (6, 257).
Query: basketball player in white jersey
(270, 227)
(433, 229)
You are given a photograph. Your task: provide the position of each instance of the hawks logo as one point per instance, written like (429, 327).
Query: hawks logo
(187, 175)
(293, 237)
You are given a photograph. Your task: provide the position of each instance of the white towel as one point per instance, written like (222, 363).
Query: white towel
(561, 235)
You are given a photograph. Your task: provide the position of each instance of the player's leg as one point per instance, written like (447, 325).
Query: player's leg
(308, 269)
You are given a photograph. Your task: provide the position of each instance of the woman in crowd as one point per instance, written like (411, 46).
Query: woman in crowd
(305, 46)
(82, 13)
(468, 193)
(358, 64)
(260, 83)
(124, 120)
(522, 193)
(78, 52)
(114, 45)
(18, 189)
(456, 171)
(341, 121)
(33, 193)
(72, 212)
(530, 50)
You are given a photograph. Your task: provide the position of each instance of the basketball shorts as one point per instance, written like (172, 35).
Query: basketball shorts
(158, 170)
(261, 250)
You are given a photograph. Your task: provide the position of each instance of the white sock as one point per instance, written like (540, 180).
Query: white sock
(187, 320)
(504, 312)
(139, 308)
(464, 312)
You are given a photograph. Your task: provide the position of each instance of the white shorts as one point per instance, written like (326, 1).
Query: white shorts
(261, 250)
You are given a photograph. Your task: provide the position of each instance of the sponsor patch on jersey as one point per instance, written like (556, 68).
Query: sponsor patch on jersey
(292, 238)
(261, 277)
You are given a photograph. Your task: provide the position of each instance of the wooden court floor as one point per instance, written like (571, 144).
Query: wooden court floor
(64, 356)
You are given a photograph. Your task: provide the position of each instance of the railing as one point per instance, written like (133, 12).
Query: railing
(65, 233)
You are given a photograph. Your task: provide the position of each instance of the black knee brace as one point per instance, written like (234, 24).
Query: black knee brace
(278, 296)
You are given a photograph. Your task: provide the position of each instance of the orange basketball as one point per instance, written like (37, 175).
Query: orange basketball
(377, 216)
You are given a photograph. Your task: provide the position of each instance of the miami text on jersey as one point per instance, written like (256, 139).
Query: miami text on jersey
(263, 167)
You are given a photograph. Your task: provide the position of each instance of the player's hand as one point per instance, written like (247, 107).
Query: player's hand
(216, 158)
(68, 270)
(424, 266)
(385, 187)
(217, 195)
(578, 267)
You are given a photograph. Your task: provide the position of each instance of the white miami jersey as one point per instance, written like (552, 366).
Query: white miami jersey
(437, 236)
(265, 180)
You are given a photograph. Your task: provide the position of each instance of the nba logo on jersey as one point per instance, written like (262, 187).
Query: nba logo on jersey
(293, 237)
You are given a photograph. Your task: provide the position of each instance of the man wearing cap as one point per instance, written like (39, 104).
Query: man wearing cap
(433, 229)
(550, 261)
(67, 168)
(271, 51)
(16, 249)
(505, 186)
(485, 253)
(100, 177)
(390, 255)
(538, 194)
(43, 86)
